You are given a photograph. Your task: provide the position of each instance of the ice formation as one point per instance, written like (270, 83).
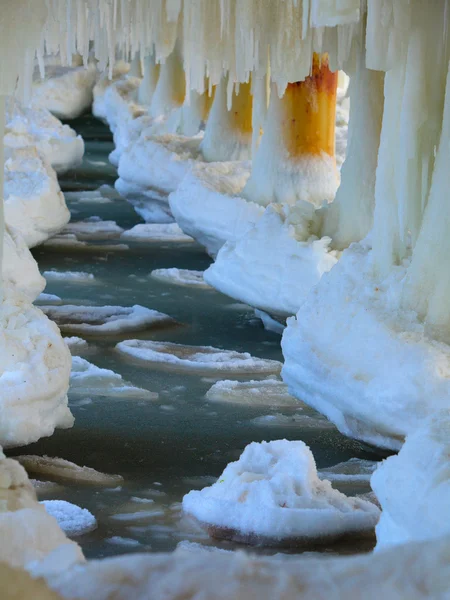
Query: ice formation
(72, 519)
(155, 232)
(111, 320)
(19, 268)
(272, 494)
(73, 276)
(183, 277)
(267, 392)
(64, 470)
(94, 228)
(196, 359)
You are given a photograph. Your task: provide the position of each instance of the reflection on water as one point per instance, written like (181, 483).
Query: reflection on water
(167, 446)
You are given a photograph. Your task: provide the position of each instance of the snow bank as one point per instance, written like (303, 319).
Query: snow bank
(272, 494)
(72, 519)
(89, 380)
(94, 228)
(35, 373)
(66, 91)
(268, 392)
(275, 263)
(64, 470)
(355, 355)
(105, 319)
(34, 203)
(19, 268)
(413, 487)
(207, 204)
(156, 232)
(183, 277)
(196, 359)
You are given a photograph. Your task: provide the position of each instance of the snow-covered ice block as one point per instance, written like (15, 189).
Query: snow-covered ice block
(196, 359)
(120, 101)
(156, 232)
(34, 203)
(35, 373)
(71, 276)
(19, 268)
(66, 91)
(183, 277)
(64, 470)
(72, 519)
(413, 487)
(99, 107)
(357, 356)
(207, 205)
(106, 319)
(89, 380)
(272, 495)
(94, 228)
(275, 263)
(267, 392)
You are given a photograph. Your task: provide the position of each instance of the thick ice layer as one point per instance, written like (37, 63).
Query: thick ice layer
(196, 358)
(34, 203)
(88, 380)
(64, 470)
(155, 232)
(207, 204)
(183, 277)
(66, 91)
(35, 367)
(272, 494)
(413, 487)
(356, 356)
(94, 228)
(268, 392)
(19, 268)
(74, 276)
(72, 519)
(274, 264)
(105, 319)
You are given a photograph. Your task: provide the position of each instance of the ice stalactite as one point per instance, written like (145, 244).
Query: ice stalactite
(228, 133)
(135, 66)
(149, 81)
(170, 90)
(295, 159)
(192, 116)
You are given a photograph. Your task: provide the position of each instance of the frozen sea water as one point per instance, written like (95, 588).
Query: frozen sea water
(163, 448)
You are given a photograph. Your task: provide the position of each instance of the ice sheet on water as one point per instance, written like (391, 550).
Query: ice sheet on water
(196, 359)
(72, 519)
(268, 392)
(297, 420)
(48, 299)
(355, 470)
(72, 276)
(94, 228)
(87, 379)
(76, 344)
(105, 319)
(184, 277)
(156, 232)
(122, 541)
(61, 469)
(70, 240)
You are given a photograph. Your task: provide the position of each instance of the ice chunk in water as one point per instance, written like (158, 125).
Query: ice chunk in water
(181, 277)
(268, 392)
(156, 232)
(75, 276)
(94, 228)
(72, 519)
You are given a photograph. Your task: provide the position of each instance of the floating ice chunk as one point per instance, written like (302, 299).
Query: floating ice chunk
(183, 277)
(64, 470)
(72, 519)
(70, 240)
(299, 421)
(75, 344)
(196, 359)
(355, 470)
(48, 299)
(139, 515)
(156, 232)
(87, 379)
(270, 324)
(105, 319)
(75, 276)
(45, 487)
(94, 228)
(273, 495)
(122, 541)
(268, 392)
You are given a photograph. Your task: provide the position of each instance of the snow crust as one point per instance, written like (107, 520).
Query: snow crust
(183, 277)
(72, 519)
(267, 392)
(86, 379)
(273, 494)
(196, 359)
(108, 320)
(155, 232)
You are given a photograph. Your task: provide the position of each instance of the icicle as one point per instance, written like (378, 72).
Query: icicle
(149, 81)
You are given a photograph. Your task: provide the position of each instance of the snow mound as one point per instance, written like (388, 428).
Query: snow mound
(19, 268)
(196, 359)
(64, 470)
(72, 519)
(89, 380)
(207, 205)
(94, 228)
(156, 232)
(34, 203)
(75, 276)
(272, 494)
(413, 487)
(182, 277)
(275, 263)
(268, 392)
(105, 319)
